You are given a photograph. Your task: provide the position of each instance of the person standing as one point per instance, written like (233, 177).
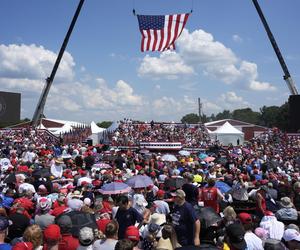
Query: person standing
(211, 196)
(185, 221)
(126, 216)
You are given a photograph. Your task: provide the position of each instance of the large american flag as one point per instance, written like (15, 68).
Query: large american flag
(159, 33)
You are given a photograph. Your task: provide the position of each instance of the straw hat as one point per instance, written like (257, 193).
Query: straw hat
(158, 219)
(59, 161)
(286, 202)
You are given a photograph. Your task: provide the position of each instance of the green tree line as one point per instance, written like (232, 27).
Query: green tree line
(271, 116)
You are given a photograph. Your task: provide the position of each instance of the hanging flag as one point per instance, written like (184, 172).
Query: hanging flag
(159, 33)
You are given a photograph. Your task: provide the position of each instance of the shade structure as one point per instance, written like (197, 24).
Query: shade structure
(209, 159)
(223, 187)
(175, 182)
(115, 188)
(202, 156)
(102, 165)
(139, 181)
(169, 157)
(184, 153)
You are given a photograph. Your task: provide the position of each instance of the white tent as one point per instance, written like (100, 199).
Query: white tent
(95, 128)
(66, 128)
(227, 134)
(97, 133)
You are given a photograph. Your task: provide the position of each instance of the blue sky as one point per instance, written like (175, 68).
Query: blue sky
(223, 56)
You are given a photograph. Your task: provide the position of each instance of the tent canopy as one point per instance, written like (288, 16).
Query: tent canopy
(227, 134)
(95, 128)
(227, 128)
(66, 128)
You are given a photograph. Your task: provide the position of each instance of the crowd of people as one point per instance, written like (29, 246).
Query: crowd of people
(132, 133)
(75, 196)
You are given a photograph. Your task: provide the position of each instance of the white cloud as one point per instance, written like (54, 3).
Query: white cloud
(261, 86)
(157, 87)
(169, 65)
(199, 53)
(237, 38)
(33, 62)
(231, 97)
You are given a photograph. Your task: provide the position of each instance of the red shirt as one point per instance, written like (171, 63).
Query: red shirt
(210, 198)
(68, 242)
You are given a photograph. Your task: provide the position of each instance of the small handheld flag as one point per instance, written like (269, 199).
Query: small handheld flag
(160, 32)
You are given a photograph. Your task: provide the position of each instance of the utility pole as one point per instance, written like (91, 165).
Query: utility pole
(42, 101)
(199, 109)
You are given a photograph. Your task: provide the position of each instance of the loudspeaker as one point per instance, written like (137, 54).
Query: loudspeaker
(294, 113)
(10, 107)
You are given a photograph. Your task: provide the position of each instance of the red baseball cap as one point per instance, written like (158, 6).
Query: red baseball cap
(102, 224)
(245, 218)
(160, 193)
(52, 232)
(132, 233)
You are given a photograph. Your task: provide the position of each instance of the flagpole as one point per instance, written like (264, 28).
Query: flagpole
(42, 101)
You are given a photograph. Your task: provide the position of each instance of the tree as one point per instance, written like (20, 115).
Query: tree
(224, 115)
(190, 118)
(269, 116)
(246, 115)
(104, 124)
(283, 117)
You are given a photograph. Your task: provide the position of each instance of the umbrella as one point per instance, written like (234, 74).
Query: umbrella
(41, 173)
(168, 157)
(202, 156)
(144, 151)
(224, 187)
(79, 220)
(209, 159)
(139, 181)
(184, 153)
(208, 217)
(11, 178)
(175, 182)
(101, 165)
(115, 188)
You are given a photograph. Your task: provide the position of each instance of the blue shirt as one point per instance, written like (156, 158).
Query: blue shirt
(5, 246)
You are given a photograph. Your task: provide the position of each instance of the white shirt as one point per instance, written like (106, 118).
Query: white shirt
(56, 170)
(240, 191)
(274, 227)
(253, 242)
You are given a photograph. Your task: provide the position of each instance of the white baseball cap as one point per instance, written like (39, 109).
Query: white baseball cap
(291, 234)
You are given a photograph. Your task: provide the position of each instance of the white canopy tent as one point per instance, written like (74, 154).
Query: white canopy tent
(227, 134)
(97, 133)
(64, 129)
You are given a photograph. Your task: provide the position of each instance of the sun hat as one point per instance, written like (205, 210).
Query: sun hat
(59, 161)
(158, 219)
(86, 236)
(291, 234)
(286, 202)
(132, 233)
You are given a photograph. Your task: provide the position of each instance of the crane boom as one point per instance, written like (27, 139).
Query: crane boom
(287, 77)
(42, 101)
